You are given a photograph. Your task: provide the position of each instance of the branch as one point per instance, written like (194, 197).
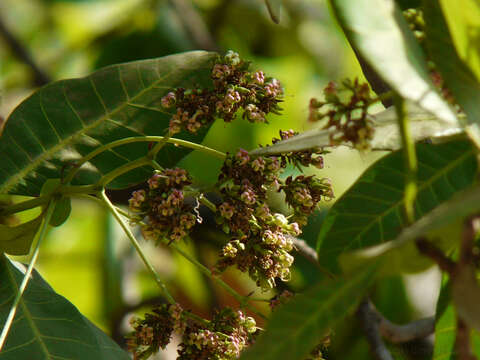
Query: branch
(40, 77)
(370, 324)
(403, 333)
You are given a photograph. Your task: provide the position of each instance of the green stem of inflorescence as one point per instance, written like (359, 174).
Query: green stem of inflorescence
(146, 160)
(137, 247)
(243, 300)
(411, 159)
(161, 140)
(26, 277)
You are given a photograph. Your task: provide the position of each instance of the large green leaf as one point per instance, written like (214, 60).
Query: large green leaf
(457, 75)
(445, 328)
(423, 125)
(377, 29)
(46, 325)
(297, 327)
(67, 119)
(371, 211)
(401, 254)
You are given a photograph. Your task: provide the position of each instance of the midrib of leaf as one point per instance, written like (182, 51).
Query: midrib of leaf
(395, 205)
(28, 316)
(50, 152)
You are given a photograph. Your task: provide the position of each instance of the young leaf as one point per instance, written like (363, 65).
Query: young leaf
(62, 211)
(401, 252)
(377, 29)
(17, 240)
(47, 326)
(297, 327)
(63, 206)
(456, 74)
(423, 125)
(371, 211)
(67, 119)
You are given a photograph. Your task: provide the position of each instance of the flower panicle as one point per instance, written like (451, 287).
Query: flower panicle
(234, 88)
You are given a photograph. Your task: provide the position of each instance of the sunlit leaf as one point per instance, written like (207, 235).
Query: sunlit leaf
(423, 125)
(377, 29)
(459, 78)
(67, 119)
(297, 327)
(371, 211)
(46, 325)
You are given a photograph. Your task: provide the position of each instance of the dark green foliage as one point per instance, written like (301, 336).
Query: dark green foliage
(47, 325)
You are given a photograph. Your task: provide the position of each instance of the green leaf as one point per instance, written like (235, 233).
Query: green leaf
(460, 80)
(377, 29)
(401, 252)
(423, 125)
(274, 7)
(445, 328)
(67, 119)
(371, 211)
(17, 240)
(47, 326)
(297, 327)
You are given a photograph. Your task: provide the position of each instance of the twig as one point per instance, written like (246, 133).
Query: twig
(40, 77)
(370, 324)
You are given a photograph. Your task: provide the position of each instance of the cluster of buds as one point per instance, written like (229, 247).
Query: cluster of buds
(222, 338)
(163, 206)
(416, 23)
(154, 331)
(234, 88)
(261, 240)
(303, 193)
(264, 252)
(346, 117)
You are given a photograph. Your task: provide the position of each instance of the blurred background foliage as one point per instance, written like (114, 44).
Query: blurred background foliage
(87, 260)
